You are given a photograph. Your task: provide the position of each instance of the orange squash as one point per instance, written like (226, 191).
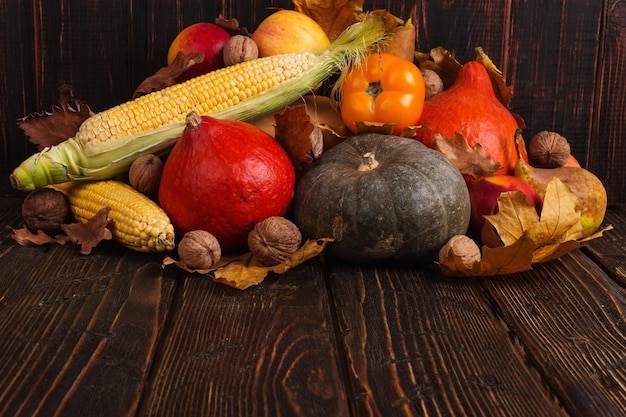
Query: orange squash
(471, 108)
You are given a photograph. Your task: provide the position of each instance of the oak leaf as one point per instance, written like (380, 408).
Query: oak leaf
(473, 162)
(169, 75)
(302, 139)
(245, 270)
(25, 237)
(51, 128)
(89, 234)
(231, 25)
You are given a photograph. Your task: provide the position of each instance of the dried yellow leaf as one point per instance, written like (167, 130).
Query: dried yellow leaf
(516, 237)
(244, 271)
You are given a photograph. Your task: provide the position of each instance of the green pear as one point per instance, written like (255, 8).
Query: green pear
(589, 191)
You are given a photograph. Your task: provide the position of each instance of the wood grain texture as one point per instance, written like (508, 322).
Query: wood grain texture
(417, 343)
(606, 143)
(265, 351)
(77, 333)
(610, 250)
(571, 325)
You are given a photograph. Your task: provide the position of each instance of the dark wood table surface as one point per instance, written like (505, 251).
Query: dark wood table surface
(114, 334)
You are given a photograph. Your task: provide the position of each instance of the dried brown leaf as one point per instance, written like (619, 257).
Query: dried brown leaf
(301, 139)
(471, 162)
(168, 75)
(374, 127)
(231, 25)
(503, 91)
(51, 128)
(402, 42)
(25, 237)
(89, 234)
(443, 62)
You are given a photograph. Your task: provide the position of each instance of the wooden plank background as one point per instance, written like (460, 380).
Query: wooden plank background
(565, 59)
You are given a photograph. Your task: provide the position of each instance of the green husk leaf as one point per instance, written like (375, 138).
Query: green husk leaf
(71, 161)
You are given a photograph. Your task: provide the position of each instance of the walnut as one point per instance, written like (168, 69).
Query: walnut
(463, 248)
(199, 249)
(548, 150)
(274, 240)
(433, 82)
(145, 174)
(45, 209)
(240, 48)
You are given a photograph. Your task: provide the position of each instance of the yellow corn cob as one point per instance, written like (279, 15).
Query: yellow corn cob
(138, 223)
(108, 142)
(206, 94)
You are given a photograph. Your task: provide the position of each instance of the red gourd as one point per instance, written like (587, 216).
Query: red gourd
(224, 176)
(471, 108)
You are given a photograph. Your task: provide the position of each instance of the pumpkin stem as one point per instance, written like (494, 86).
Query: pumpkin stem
(193, 120)
(369, 162)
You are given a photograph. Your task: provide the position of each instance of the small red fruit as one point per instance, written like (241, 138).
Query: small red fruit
(224, 176)
(206, 38)
(484, 199)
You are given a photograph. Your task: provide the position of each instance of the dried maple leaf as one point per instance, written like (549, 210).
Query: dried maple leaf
(89, 234)
(51, 128)
(516, 237)
(301, 139)
(169, 75)
(245, 270)
(332, 15)
(474, 163)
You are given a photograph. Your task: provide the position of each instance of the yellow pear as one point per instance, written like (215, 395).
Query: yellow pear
(589, 191)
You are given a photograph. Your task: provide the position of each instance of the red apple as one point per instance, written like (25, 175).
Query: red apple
(288, 31)
(484, 199)
(206, 38)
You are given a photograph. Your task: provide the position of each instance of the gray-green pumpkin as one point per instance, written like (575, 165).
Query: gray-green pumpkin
(382, 197)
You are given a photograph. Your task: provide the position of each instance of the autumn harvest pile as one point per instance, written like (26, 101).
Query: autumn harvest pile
(251, 152)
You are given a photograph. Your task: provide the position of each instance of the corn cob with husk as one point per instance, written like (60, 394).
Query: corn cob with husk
(137, 222)
(107, 143)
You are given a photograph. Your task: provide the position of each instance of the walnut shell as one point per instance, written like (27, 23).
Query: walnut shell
(433, 83)
(274, 240)
(199, 249)
(145, 174)
(45, 209)
(548, 150)
(240, 48)
(464, 248)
